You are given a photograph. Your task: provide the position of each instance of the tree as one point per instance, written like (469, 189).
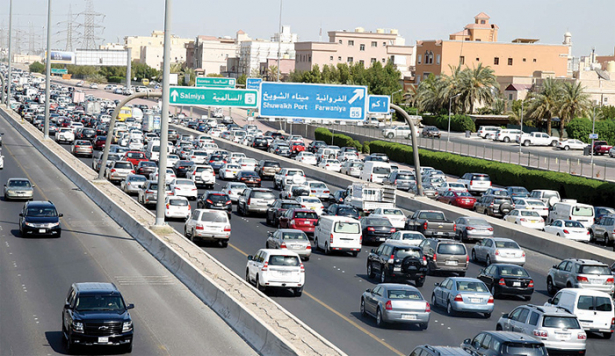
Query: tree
(215, 75)
(143, 71)
(37, 67)
(241, 80)
(429, 97)
(574, 102)
(255, 73)
(452, 86)
(545, 104)
(477, 85)
(579, 128)
(96, 78)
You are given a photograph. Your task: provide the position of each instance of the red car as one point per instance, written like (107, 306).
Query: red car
(296, 147)
(461, 199)
(601, 147)
(99, 142)
(135, 157)
(300, 219)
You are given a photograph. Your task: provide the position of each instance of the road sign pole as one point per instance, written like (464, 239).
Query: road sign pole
(415, 148)
(47, 71)
(10, 75)
(164, 124)
(128, 70)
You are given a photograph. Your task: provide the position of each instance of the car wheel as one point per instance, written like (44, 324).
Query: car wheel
(607, 336)
(506, 139)
(419, 282)
(248, 276)
(379, 321)
(434, 301)
(128, 348)
(527, 298)
(316, 243)
(449, 309)
(606, 239)
(192, 235)
(550, 286)
(526, 143)
(498, 327)
(554, 144)
(223, 243)
(383, 275)
(423, 326)
(259, 286)
(488, 261)
(566, 148)
(327, 249)
(592, 238)
(298, 292)
(474, 256)
(487, 315)
(493, 291)
(390, 136)
(370, 272)
(462, 274)
(363, 312)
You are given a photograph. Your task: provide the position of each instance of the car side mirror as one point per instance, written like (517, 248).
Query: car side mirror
(21, 215)
(436, 284)
(250, 257)
(66, 305)
(467, 341)
(60, 215)
(550, 300)
(554, 266)
(368, 290)
(130, 306)
(373, 250)
(481, 271)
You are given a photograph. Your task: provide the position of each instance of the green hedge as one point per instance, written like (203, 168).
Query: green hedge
(459, 123)
(340, 140)
(113, 79)
(584, 190)
(579, 128)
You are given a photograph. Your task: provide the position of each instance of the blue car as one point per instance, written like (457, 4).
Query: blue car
(461, 294)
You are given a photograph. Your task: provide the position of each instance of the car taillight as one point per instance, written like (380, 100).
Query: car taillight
(581, 336)
(113, 170)
(523, 254)
(497, 252)
(388, 305)
(371, 229)
(467, 258)
(308, 247)
(227, 228)
(458, 298)
(470, 228)
(228, 202)
(609, 280)
(265, 266)
(490, 229)
(178, 188)
(331, 238)
(167, 206)
(454, 227)
(435, 257)
(541, 333)
(133, 172)
(427, 307)
(425, 225)
(582, 279)
(283, 245)
(490, 301)
(502, 282)
(531, 284)
(199, 226)
(209, 201)
(302, 267)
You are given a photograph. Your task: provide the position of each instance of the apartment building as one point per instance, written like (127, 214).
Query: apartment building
(254, 52)
(209, 54)
(149, 49)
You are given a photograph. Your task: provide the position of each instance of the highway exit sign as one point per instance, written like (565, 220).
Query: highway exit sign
(216, 97)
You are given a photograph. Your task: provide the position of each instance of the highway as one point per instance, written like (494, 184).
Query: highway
(35, 273)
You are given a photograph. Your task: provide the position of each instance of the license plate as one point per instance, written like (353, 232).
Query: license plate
(313, 208)
(475, 300)
(516, 284)
(234, 172)
(439, 233)
(533, 221)
(218, 204)
(41, 231)
(382, 239)
(562, 336)
(396, 269)
(451, 263)
(595, 281)
(408, 316)
(103, 339)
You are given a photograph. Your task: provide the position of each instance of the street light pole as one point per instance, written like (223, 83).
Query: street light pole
(10, 76)
(279, 42)
(450, 103)
(592, 146)
(521, 133)
(47, 70)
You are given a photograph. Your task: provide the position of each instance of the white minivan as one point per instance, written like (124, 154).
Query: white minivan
(375, 171)
(338, 233)
(594, 309)
(570, 209)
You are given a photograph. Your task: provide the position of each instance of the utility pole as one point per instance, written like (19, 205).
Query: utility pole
(279, 42)
(164, 116)
(10, 76)
(47, 70)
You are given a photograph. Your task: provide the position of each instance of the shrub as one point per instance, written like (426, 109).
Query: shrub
(366, 147)
(579, 128)
(459, 123)
(114, 79)
(340, 140)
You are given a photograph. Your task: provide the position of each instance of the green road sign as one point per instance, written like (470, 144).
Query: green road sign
(214, 82)
(59, 71)
(216, 97)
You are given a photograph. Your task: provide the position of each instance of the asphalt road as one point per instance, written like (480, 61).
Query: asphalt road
(35, 273)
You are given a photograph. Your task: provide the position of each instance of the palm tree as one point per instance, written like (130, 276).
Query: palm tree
(452, 87)
(574, 102)
(429, 94)
(546, 103)
(478, 85)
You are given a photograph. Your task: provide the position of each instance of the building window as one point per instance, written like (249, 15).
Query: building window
(374, 44)
(478, 40)
(373, 60)
(350, 59)
(362, 62)
(339, 58)
(420, 59)
(510, 61)
(438, 59)
(383, 60)
(309, 58)
(534, 60)
(340, 41)
(350, 42)
(482, 22)
(462, 60)
(384, 44)
(524, 59)
(361, 47)
(477, 59)
(331, 58)
(510, 97)
(496, 61)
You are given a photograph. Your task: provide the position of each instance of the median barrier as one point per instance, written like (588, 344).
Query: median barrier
(264, 324)
(531, 239)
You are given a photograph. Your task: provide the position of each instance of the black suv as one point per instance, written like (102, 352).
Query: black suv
(504, 343)
(428, 350)
(397, 261)
(215, 200)
(95, 314)
(39, 218)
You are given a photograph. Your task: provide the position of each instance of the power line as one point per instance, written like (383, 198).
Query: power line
(91, 26)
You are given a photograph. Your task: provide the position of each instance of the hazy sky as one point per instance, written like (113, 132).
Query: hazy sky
(590, 21)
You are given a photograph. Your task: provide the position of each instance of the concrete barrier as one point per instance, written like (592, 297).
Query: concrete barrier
(531, 239)
(264, 324)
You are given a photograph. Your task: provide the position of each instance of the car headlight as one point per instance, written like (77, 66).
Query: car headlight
(53, 224)
(29, 224)
(77, 326)
(127, 326)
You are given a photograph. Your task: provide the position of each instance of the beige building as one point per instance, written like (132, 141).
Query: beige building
(286, 66)
(604, 60)
(149, 49)
(477, 43)
(254, 52)
(598, 83)
(209, 54)
(357, 47)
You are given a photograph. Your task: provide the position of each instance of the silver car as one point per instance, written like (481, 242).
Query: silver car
(396, 303)
(580, 273)
(352, 168)
(234, 190)
(471, 228)
(462, 294)
(290, 239)
(18, 188)
(133, 183)
(412, 238)
(318, 189)
(498, 250)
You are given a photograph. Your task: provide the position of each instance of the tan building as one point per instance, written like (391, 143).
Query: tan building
(604, 60)
(209, 54)
(149, 49)
(477, 43)
(357, 47)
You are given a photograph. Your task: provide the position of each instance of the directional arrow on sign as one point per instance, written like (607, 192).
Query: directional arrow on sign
(174, 95)
(358, 94)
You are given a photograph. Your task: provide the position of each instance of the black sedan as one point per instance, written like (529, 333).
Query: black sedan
(215, 200)
(181, 167)
(376, 230)
(338, 197)
(342, 210)
(507, 280)
(145, 168)
(249, 178)
(278, 208)
(314, 146)
(39, 218)
(216, 162)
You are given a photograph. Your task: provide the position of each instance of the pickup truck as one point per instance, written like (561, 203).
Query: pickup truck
(431, 223)
(537, 139)
(367, 197)
(601, 147)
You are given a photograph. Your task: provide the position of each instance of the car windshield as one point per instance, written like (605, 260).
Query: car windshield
(377, 222)
(20, 184)
(571, 223)
(214, 216)
(471, 286)
(184, 182)
(271, 164)
(292, 173)
(597, 270)
(412, 236)
(561, 322)
(431, 215)
(312, 200)
(123, 165)
(290, 205)
(464, 194)
(263, 195)
(533, 349)
(477, 222)
(178, 202)
(583, 211)
(392, 212)
(451, 249)
(402, 253)
(480, 177)
(404, 294)
(381, 170)
(306, 215)
(586, 302)
(249, 174)
(534, 203)
(237, 186)
(529, 213)
(318, 185)
(137, 178)
(217, 197)
(506, 244)
(294, 236)
(99, 302)
(277, 260)
(513, 271)
(347, 227)
(347, 211)
(42, 212)
(405, 176)
(135, 155)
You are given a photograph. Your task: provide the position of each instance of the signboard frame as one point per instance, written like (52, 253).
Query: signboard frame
(386, 107)
(231, 82)
(245, 95)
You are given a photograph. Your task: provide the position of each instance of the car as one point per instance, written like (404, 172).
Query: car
(290, 239)
(401, 131)
(64, 135)
(376, 229)
(396, 260)
(18, 188)
(306, 157)
(494, 205)
(476, 182)
(229, 171)
(396, 303)
(504, 343)
(412, 238)
(267, 168)
(277, 208)
(395, 215)
(249, 178)
(461, 294)
(580, 273)
(247, 164)
(210, 225)
(317, 189)
(300, 219)
(133, 183)
(1, 161)
(507, 280)
(483, 130)
(149, 193)
(171, 160)
(276, 268)
(288, 176)
(295, 190)
(203, 175)
(168, 177)
(531, 204)
(343, 210)
(99, 142)
(79, 83)
(184, 188)
(82, 147)
(134, 157)
(500, 192)
(182, 167)
(430, 350)
(569, 229)
(452, 187)
(557, 328)
(39, 218)
(498, 250)
(95, 314)
(176, 208)
(315, 145)
(119, 170)
(571, 144)
(431, 131)
(254, 200)
(526, 218)
(332, 165)
(234, 190)
(515, 191)
(460, 199)
(603, 230)
(352, 168)
(450, 256)
(381, 157)
(216, 200)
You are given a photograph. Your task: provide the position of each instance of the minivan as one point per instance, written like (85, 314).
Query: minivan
(570, 209)
(338, 233)
(594, 309)
(445, 256)
(375, 171)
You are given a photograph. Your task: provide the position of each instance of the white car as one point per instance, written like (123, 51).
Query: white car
(287, 192)
(197, 156)
(65, 134)
(1, 162)
(202, 175)
(171, 160)
(234, 190)
(318, 189)
(208, 224)
(413, 238)
(247, 164)
(184, 188)
(229, 171)
(498, 250)
(276, 268)
(176, 208)
(168, 178)
(452, 186)
(532, 204)
(330, 165)
(612, 152)
(396, 216)
(307, 158)
(571, 145)
(526, 218)
(570, 229)
(236, 156)
(93, 86)
(135, 144)
(312, 204)
(210, 147)
(288, 176)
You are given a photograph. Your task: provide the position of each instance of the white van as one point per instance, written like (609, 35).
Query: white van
(338, 233)
(153, 150)
(569, 209)
(375, 171)
(594, 309)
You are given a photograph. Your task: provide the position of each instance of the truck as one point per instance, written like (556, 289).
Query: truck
(150, 123)
(431, 223)
(368, 196)
(537, 139)
(601, 147)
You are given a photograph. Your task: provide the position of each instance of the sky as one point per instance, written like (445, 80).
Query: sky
(590, 21)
